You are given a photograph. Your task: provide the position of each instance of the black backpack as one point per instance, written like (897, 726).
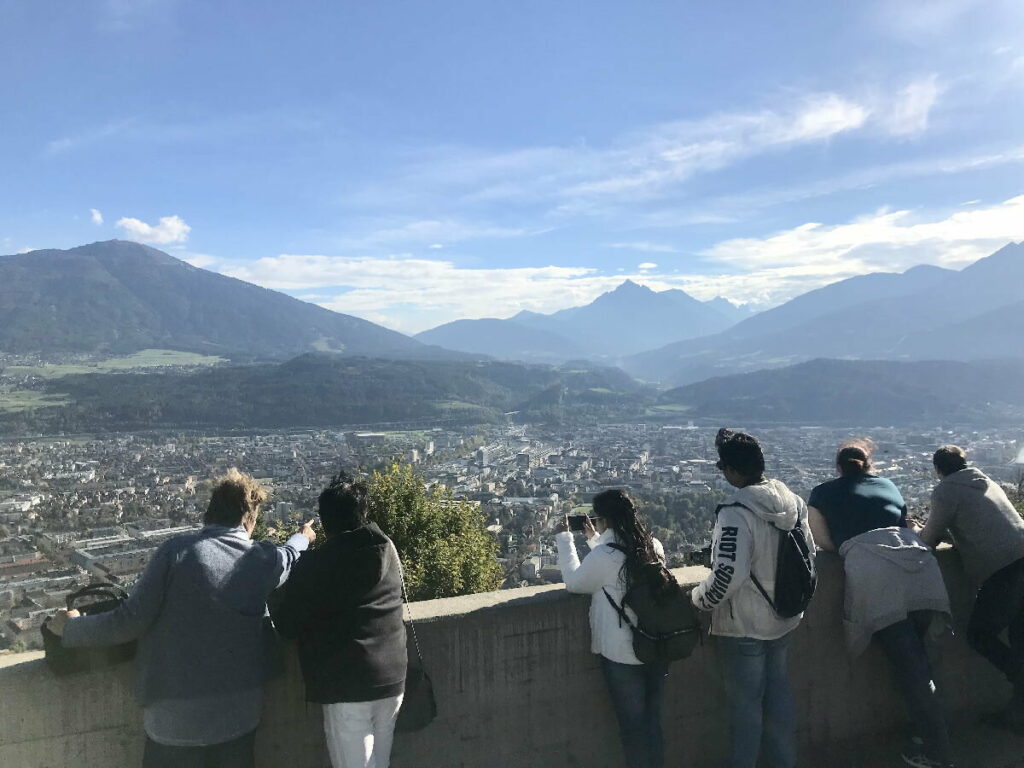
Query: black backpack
(666, 627)
(796, 576)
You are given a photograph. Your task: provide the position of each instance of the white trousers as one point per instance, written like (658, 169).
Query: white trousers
(359, 733)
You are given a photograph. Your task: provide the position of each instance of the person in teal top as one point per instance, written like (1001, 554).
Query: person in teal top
(855, 503)
(851, 505)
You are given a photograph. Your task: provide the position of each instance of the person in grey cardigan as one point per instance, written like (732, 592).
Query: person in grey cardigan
(205, 643)
(988, 532)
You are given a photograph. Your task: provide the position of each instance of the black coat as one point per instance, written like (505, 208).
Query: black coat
(343, 603)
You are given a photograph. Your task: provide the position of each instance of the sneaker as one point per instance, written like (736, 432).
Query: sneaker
(917, 759)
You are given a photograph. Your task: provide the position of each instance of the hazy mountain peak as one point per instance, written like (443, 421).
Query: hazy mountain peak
(1009, 256)
(628, 287)
(118, 296)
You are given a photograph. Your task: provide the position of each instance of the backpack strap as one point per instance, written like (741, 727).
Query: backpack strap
(720, 507)
(761, 589)
(623, 616)
(753, 578)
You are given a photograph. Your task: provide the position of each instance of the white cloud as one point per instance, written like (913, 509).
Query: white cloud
(882, 240)
(87, 137)
(170, 229)
(582, 178)
(907, 113)
(412, 294)
(201, 260)
(435, 246)
(96, 216)
(732, 207)
(644, 246)
(673, 152)
(432, 231)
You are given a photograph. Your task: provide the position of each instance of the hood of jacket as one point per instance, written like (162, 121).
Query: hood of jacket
(970, 477)
(772, 501)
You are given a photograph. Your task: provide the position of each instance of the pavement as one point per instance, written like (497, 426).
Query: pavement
(976, 744)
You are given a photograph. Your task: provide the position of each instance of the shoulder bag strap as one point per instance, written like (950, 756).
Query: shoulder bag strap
(408, 608)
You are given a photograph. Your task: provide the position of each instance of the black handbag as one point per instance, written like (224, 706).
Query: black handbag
(66, 661)
(419, 707)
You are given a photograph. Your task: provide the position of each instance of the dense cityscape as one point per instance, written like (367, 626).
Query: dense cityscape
(81, 509)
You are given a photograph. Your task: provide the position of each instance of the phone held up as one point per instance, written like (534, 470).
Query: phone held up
(577, 522)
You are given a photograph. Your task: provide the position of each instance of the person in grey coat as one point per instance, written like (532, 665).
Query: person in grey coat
(988, 533)
(199, 614)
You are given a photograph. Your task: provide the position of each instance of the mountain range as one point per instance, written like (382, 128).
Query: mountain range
(627, 320)
(118, 297)
(329, 390)
(924, 313)
(862, 393)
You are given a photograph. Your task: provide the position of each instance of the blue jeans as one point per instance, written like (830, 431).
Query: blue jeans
(760, 699)
(637, 691)
(903, 645)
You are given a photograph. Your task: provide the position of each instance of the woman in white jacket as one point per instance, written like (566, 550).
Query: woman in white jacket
(620, 545)
(752, 641)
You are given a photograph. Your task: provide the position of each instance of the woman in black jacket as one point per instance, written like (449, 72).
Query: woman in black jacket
(343, 603)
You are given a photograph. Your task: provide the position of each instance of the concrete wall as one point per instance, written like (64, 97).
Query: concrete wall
(516, 685)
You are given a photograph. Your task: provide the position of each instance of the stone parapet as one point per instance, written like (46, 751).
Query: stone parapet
(516, 684)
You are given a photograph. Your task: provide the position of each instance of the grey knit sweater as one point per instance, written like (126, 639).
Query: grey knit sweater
(198, 612)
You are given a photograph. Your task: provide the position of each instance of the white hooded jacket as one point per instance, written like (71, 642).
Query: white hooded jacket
(746, 541)
(601, 571)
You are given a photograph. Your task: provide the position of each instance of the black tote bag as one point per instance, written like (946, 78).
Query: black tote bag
(66, 661)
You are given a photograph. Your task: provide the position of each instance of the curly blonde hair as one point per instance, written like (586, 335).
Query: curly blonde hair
(235, 500)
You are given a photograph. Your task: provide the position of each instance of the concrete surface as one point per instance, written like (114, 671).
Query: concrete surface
(516, 685)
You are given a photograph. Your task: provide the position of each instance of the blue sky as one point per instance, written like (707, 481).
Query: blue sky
(417, 162)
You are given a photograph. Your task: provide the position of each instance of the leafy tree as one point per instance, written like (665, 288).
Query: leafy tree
(444, 544)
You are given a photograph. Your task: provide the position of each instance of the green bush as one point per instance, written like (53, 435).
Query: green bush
(444, 544)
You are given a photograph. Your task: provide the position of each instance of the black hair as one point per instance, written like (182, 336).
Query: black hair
(854, 457)
(342, 504)
(949, 459)
(631, 532)
(740, 452)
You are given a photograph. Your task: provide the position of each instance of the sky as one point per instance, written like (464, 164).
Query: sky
(413, 163)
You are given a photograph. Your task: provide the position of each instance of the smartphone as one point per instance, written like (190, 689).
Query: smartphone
(577, 522)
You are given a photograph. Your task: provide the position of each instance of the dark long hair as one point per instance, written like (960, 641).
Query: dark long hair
(632, 533)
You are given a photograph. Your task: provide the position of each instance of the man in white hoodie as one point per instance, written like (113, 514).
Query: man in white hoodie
(752, 640)
(989, 534)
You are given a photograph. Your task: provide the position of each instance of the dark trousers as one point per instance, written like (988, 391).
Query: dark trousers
(903, 644)
(237, 753)
(637, 691)
(999, 606)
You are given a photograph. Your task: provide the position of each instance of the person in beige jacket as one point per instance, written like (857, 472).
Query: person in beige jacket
(752, 641)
